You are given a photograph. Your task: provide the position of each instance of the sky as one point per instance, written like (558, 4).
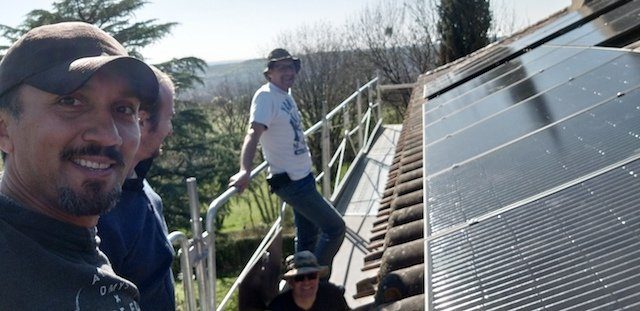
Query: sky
(223, 30)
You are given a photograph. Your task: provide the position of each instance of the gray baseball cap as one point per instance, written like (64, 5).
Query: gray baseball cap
(60, 58)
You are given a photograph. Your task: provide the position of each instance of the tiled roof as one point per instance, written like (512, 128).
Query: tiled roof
(524, 158)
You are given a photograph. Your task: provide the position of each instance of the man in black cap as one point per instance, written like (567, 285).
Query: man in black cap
(69, 100)
(305, 290)
(275, 122)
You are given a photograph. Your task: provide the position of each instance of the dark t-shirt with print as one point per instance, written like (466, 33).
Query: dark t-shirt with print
(329, 297)
(46, 264)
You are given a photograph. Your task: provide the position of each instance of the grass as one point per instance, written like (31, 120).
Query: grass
(222, 287)
(245, 217)
(241, 217)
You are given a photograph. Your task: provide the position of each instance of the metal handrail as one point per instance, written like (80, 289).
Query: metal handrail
(335, 110)
(210, 226)
(204, 243)
(262, 247)
(180, 239)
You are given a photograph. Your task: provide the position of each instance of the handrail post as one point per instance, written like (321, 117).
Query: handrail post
(180, 238)
(379, 99)
(326, 150)
(196, 225)
(359, 111)
(211, 262)
(371, 93)
(346, 120)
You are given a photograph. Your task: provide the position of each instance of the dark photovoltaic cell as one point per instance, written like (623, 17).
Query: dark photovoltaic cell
(578, 249)
(502, 117)
(539, 59)
(607, 26)
(547, 30)
(537, 163)
(506, 91)
(495, 57)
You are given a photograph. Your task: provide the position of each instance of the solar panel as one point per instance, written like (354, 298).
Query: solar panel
(537, 163)
(528, 105)
(538, 59)
(605, 27)
(530, 164)
(547, 32)
(567, 23)
(521, 86)
(576, 249)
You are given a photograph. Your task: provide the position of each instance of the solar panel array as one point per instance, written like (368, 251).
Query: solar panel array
(595, 23)
(532, 157)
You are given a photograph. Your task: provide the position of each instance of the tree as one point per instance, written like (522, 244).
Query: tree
(184, 72)
(505, 20)
(110, 15)
(114, 17)
(396, 37)
(463, 27)
(197, 150)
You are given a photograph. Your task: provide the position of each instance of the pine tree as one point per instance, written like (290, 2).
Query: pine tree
(114, 17)
(463, 27)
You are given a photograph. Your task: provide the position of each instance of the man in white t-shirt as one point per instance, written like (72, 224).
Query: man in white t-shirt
(275, 122)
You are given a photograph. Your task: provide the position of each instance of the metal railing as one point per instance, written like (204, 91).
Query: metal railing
(199, 252)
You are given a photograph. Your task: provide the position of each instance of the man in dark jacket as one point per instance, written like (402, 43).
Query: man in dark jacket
(69, 100)
(134, 234)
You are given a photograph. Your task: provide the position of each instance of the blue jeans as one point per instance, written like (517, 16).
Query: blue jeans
(319, 227)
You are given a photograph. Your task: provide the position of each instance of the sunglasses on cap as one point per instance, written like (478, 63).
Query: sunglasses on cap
(308, 276)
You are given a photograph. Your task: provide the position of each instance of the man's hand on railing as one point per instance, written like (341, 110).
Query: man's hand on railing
(240, 180)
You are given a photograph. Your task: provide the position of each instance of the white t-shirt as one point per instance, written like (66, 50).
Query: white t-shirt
(283, 143)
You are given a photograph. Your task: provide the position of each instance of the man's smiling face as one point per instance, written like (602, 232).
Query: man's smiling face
(68, 155)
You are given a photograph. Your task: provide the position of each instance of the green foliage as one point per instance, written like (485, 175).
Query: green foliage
(112, 16)
(115, 18)
(260, 199)
(194, 150)
(235, 250)
(184, 72)
(463, 27)
(249, 219)
(223, 284)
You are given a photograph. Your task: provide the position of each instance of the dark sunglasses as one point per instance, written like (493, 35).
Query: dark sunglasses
(308, 276)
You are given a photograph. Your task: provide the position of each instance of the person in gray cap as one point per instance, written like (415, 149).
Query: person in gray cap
(275, 122)
(69, 101)
(305, 291)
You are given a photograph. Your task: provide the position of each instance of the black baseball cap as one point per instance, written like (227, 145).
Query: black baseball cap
(60, 58)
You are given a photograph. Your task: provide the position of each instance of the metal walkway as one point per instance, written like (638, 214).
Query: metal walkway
(359, 205)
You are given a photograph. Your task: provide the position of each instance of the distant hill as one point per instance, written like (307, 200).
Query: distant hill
(233, 72)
